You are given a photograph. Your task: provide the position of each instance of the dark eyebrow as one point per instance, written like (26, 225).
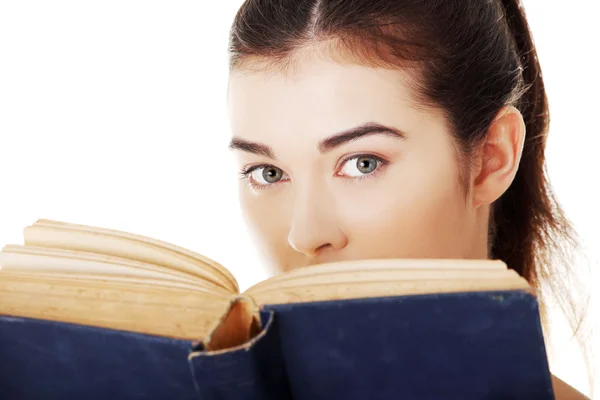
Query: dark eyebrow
(368, 129)
(332, 142)
(251, 147)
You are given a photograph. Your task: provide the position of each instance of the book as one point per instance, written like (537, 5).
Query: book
(90, 312)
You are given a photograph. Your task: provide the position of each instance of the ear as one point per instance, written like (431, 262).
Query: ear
(499, 156)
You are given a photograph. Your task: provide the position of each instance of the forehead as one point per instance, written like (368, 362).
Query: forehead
(317, 96)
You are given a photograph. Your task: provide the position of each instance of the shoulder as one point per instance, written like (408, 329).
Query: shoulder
(563, 391)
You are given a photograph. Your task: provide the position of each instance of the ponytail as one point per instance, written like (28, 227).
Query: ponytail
(531, 233)
(527, 213)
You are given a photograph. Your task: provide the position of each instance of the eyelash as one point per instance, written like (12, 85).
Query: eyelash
(245, 173)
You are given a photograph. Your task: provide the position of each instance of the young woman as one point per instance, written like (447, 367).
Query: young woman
(393, 129)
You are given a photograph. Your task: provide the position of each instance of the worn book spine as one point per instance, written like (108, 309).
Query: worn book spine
(252, 371)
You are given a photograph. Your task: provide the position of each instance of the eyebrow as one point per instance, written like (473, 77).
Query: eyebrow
(361, 131)
(325, 145)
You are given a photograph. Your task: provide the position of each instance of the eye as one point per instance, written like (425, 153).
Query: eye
(361, 165)
(264, 175)
(267, 175)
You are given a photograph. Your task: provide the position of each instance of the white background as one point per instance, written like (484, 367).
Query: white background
(112, 113)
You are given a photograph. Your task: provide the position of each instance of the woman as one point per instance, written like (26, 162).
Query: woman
(393, 129)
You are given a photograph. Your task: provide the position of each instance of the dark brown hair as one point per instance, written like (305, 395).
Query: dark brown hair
(470, 59)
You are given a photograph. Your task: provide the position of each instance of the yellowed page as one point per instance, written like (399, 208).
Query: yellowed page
(119, 279)
(379, 278)
(137, 307)
(38, 259)
(56, 234)
(344, 291)
(379, 267)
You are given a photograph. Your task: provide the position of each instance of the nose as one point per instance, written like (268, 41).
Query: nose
(315, 225)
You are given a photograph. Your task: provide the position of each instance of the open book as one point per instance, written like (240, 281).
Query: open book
(98, 313)
(106, 278)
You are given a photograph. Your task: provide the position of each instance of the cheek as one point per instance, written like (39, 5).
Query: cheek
(407, 214)
(267, 218)
(259, 214)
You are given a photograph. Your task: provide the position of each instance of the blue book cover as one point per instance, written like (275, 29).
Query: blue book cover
(458, 345)
(367, 330)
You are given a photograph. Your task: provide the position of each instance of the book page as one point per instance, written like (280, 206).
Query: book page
(56, 234)
(77, 263)
(146, 306)
(379, 278)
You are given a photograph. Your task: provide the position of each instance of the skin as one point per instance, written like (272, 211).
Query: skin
(309, 199)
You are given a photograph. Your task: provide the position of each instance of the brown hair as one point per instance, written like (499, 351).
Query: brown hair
(471, 58)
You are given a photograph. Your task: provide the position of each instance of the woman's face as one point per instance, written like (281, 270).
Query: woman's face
(340, 164)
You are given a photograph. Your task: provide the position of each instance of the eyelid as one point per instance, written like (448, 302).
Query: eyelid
(249, 169)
